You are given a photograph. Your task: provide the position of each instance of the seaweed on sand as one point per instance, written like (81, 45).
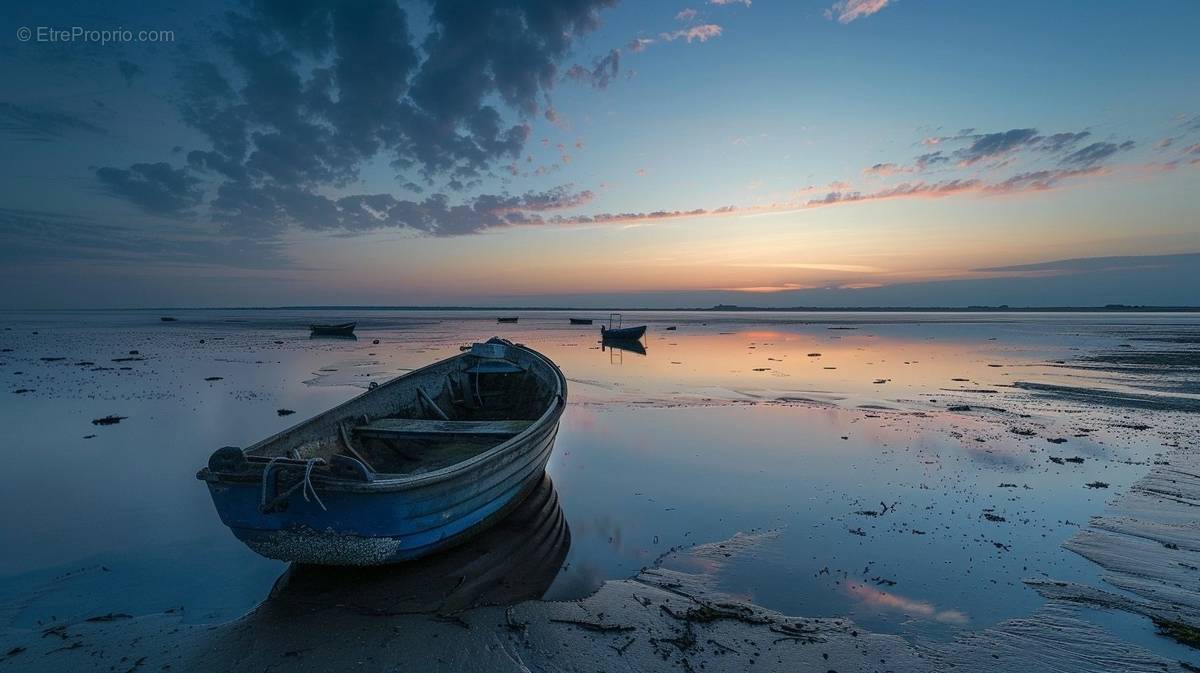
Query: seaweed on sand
(1180, 632)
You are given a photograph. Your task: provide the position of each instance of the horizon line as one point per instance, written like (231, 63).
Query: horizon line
(718, 308)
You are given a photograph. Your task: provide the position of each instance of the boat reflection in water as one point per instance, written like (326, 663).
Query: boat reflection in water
(515, 560)
(332, 337)
(629, 345)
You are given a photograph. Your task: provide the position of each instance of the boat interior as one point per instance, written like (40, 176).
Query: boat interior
(433, 418)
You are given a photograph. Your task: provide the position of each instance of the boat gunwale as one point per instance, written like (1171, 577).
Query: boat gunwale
(408, 482)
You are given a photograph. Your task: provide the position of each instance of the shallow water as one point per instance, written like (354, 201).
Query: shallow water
(832, 430)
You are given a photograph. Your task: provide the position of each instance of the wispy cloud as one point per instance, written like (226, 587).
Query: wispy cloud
(846, 11)
(639, 44)
(730, 2)
(603, 70)
(686, 14)
(701, 33)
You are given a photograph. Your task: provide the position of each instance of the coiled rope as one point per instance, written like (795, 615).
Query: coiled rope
(306, 482)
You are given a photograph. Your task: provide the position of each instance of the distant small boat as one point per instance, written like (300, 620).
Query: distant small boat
(416, 465)
(614, 331)
(672, 328)
(581, 321)
(167, 318)
(340, 329)
(514, 319)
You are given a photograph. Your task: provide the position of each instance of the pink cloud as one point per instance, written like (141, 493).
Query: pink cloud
(890, 601)
(884, 170)
(639, 44)
(729, 2)
(1029, 182)
(846, 11)
(686, 14)
(640, 172)
(701, 33)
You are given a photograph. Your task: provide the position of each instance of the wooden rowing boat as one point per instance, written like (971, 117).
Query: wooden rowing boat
(410, 467)
(512, 319)
(581, 321)
(340, 329)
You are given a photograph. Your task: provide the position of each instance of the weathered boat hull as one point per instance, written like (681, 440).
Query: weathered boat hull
(375, 519)
(376, 528)
(517, 559)
(623, 333)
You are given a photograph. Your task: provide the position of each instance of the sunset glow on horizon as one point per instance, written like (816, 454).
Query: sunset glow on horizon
(780, 154)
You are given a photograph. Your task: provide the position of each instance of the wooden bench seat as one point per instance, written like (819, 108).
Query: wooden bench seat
(404, 428)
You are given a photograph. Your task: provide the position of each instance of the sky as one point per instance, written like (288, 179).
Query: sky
(600, 153)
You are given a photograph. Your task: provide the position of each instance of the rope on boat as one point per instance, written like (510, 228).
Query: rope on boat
(308, 486)
(262, 505)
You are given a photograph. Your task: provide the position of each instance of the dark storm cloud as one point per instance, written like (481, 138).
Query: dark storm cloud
(301, 95)
(1095, 153)
(20, 122)
(157, 188)
(603, 71)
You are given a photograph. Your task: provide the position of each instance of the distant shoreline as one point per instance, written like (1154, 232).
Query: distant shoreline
(722, 308)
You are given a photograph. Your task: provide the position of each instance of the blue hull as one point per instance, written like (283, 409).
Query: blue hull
(374, 528)
(369, 519)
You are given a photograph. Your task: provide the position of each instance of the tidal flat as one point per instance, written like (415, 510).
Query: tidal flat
(745, 494)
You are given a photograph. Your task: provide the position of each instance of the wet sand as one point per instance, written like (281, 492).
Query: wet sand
(980, 480)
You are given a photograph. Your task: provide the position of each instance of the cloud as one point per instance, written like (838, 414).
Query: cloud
(990, 146)
(261, 212)
(1092, 264)
(603, 71)
(920, 164)
(20, 122)
(298, 97)
(883, 169)
(639, 44)
(1062, 141)
(701, 33)
(686, 14)
(841, 194)
(846, 11)
(730, 2)
(1095, 153)
(156, 188)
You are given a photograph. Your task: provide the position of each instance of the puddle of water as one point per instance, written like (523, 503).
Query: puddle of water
(831, 429)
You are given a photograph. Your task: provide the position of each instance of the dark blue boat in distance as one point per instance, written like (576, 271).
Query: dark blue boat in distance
(408, 468)
(615, 332)
(340, 329)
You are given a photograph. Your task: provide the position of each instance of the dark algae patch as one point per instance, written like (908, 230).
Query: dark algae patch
(1180, 632)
